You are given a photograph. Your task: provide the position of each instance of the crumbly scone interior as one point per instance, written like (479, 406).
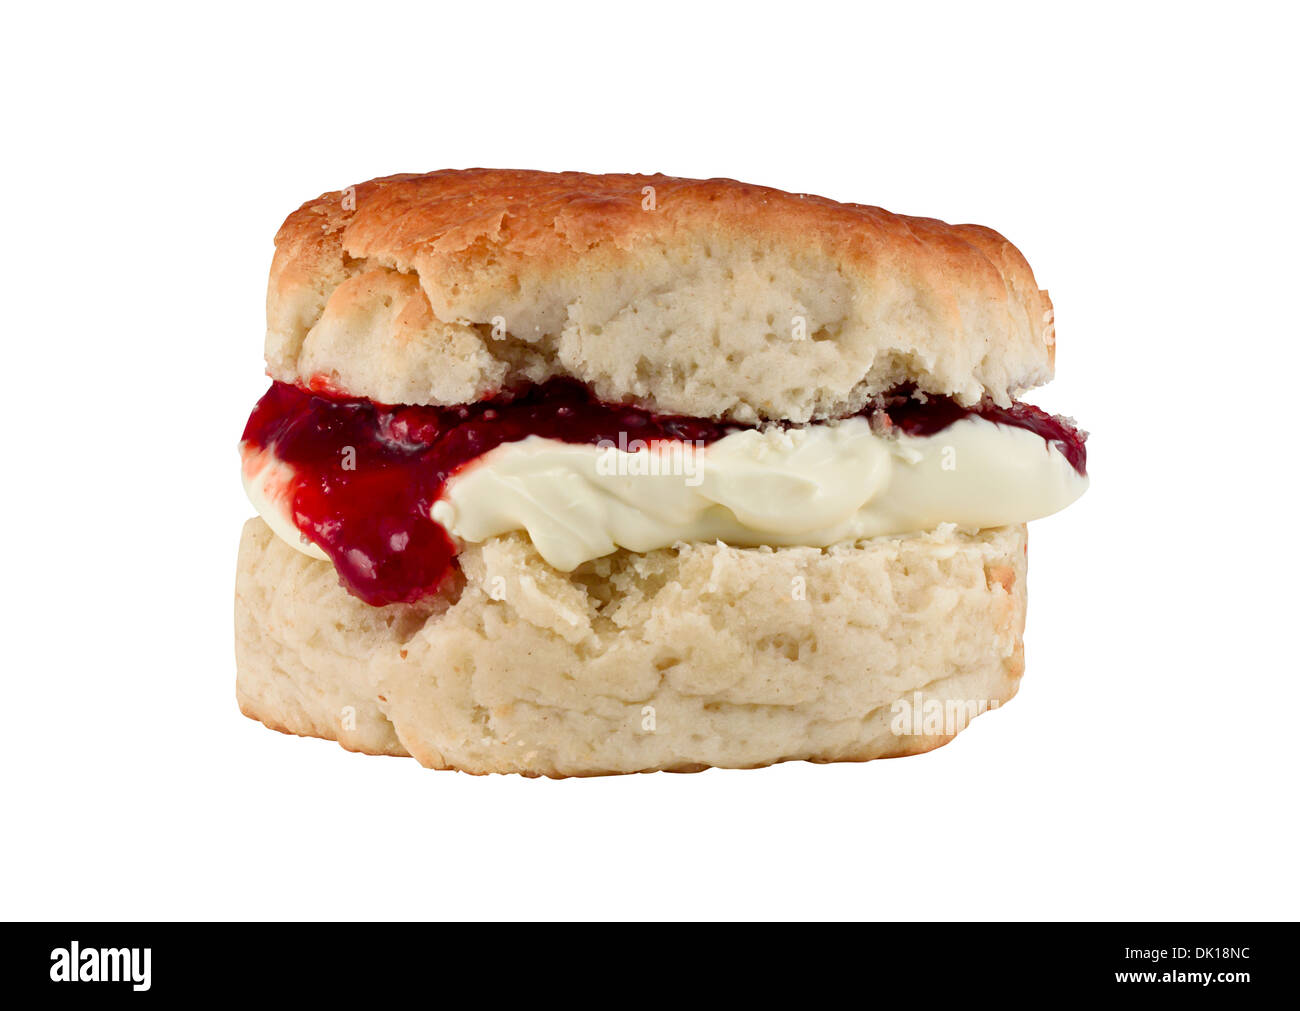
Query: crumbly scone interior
(681, 658)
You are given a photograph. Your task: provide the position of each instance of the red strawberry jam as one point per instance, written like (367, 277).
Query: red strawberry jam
(366, 475)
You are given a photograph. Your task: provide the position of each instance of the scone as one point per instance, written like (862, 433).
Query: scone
(568, 474)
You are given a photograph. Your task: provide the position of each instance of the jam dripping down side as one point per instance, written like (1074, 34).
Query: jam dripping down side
(366, 475)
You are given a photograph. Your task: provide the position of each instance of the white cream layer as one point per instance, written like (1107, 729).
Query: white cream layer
(266, 483)
(811, 486)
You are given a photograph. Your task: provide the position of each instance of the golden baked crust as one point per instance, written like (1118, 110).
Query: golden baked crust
(707, 297)
(703, 655)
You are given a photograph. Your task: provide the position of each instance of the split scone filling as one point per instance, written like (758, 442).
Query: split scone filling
(392, 494)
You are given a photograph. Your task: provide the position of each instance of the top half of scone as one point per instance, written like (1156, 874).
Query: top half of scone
(615, 362)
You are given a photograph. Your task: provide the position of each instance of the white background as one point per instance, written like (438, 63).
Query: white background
(1142, 156)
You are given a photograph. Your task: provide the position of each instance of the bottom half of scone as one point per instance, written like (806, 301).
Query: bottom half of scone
(684, 658)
